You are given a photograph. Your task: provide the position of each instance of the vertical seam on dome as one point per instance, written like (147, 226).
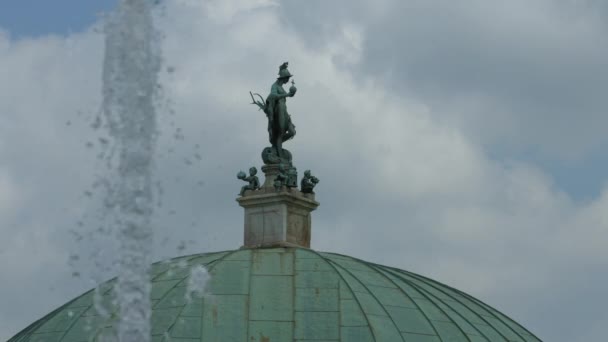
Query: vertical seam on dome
(373, 266)
(249, 294)
(491, 310)
(468, 307)
(375, 298)
(293, 295)
(74, 322)
(210, 265)
(163, 297)
(29, 330)
(480, 303)
(418, 306)
(67, 330)
(330, 263)
(428, 296)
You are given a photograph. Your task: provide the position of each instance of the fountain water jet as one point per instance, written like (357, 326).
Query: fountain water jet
(130, 84)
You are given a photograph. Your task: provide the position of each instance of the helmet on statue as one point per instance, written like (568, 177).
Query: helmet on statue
(283, 72)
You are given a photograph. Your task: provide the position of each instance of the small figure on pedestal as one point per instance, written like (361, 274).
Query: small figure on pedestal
(292, 177)
(281, 178)
(254, 182)
(308, 182)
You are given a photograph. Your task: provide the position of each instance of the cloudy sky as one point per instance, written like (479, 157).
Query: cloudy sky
(462, 140)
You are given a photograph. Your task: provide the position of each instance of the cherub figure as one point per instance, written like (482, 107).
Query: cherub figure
(308, 182)
(292, 177)
(254, 182)
(281, 178)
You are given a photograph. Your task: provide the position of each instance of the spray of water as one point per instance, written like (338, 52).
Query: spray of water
(130, 85)
(197, 283)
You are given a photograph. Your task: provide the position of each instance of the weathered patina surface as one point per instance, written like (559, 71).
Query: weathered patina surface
(252, 179)
(280, 126)
(308, 182)
(290, 294)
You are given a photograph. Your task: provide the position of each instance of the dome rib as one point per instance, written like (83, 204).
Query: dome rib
(76, 319)
(209, 266)
(463, 304)
(504, 317)
(166, 294)
(373, 296)
(376, 266)
(329, 262)
(298, 294)
(484, 306)
(249, 281)
(27, 332)
(419, 308)
(428, 295)
(188, 260)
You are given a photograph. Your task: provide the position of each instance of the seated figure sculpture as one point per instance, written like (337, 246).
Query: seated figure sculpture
(308, 182)
(281, 178)
(292, 177)
(254, 182)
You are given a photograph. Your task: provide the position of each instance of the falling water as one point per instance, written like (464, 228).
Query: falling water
(130, 82)
(197, 282)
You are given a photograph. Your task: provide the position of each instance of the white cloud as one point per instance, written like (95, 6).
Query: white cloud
(397, 185)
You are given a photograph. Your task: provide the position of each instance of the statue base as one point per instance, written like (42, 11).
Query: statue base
(271, 157)
(277, 218)
(271, 172)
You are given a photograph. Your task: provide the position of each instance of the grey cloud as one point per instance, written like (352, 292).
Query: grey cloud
(535, 71)
(409, 191)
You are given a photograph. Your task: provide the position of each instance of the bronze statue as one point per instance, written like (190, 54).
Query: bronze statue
(254, 182)
(308, 182)
(281, 178)
(292, 177)
(280, 127)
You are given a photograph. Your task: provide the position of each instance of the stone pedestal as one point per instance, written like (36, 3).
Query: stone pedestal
(277, 218)
(270, 172)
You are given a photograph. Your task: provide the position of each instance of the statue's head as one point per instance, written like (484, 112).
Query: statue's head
(284, 74)
(281, 167)
(253, 171)
(307, 173)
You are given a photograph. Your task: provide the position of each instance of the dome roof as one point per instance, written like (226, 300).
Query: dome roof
(291, 294)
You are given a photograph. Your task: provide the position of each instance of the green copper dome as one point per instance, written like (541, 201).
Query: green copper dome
(291, 294)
